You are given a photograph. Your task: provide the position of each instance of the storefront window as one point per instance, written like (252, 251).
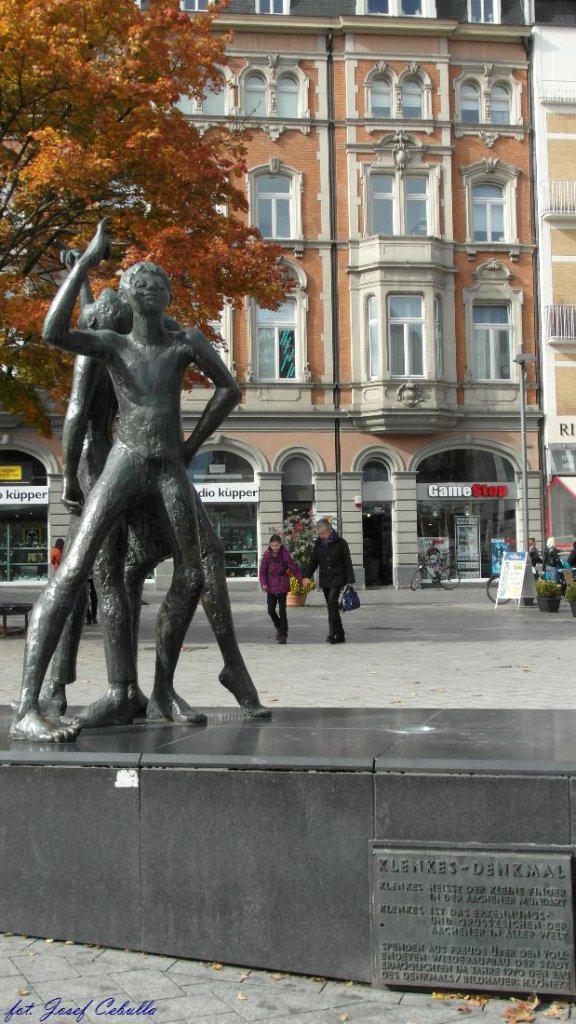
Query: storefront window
(377, 523)
(225, 483)
(23, 519)
(297, 486)
(467, 504)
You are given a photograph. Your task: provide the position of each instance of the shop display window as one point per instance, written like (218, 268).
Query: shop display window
(23, 550)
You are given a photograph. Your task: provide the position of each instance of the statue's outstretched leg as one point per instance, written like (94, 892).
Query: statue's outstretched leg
(216, 603)
(178, 607)
(53, 697)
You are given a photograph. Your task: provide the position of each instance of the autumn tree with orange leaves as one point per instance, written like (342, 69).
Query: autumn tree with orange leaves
(90, 127)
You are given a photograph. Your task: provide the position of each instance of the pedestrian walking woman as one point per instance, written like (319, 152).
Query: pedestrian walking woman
(276, 567)
(331, 555)
(553, 561)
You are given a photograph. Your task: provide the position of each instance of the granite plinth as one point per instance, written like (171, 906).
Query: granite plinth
(251, 842)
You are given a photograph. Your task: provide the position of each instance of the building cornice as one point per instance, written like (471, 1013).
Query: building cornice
(365, 24)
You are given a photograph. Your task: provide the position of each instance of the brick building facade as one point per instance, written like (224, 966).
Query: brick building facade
(390, 157)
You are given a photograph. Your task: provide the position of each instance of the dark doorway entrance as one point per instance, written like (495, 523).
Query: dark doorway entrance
(377, 541)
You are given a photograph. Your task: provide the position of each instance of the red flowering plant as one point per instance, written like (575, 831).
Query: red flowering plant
(298, 535)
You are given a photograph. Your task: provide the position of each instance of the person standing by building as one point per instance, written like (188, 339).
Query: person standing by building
(276, 567)
(331, 555)
(56, 553)
(534, 555)
(553, 561)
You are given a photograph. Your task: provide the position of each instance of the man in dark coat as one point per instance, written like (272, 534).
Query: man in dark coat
(331, 555)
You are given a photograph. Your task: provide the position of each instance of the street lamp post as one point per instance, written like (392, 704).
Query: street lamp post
(522, 358)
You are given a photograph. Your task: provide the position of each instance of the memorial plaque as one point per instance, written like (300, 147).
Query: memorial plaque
(498, 921)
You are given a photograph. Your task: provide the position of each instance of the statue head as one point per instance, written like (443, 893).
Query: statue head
(109, 312)
(146, 287)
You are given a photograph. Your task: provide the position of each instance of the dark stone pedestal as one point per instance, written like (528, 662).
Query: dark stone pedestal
(252, 843)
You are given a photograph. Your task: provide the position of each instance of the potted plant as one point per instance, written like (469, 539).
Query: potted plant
(570, 596)
(549, 595)
(298, 535)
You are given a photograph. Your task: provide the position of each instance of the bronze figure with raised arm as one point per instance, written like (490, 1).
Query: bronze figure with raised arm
(146, 467)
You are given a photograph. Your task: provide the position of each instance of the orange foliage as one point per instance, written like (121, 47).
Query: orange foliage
(89, 127)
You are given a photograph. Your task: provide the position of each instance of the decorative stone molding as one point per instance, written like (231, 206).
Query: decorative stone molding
(410, 394)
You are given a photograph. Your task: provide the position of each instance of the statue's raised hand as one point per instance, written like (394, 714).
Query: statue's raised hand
(100, 247)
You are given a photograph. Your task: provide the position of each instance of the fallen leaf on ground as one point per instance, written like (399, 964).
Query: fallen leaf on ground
(522, 1012)
(277, 977)
(464, 1008)
(69, 942)
(23, 991)
(31, 952)
(241, 997)
(345, 1016)
(48, 940)
(349, 984)
(464, 997)
(556, 1011)
(217, 967)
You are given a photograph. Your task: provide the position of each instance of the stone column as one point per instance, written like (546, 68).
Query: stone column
(270, 509)
(404, 528)
(325, 495)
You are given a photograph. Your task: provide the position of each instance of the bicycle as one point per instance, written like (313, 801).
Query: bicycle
(492, 585)
(438, 573)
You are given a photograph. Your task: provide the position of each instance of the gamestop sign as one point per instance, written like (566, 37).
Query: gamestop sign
(478, 491)
(24, 494)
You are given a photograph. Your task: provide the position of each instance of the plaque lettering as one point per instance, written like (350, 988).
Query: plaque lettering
(496, 921)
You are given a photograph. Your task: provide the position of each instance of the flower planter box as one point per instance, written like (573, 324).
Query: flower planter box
(295, 600)
(549, 604)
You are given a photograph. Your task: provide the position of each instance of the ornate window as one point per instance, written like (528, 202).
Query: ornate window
(379, 96)
(399, 205)
(406, 335)
(488, 207)
(490, 187)
(255, 95)
(373, 338)
(273, 6)
(500, 104)
(274, 205)
(470, 103)
(214, 102)
(491, 342)
(412, 98)
(287, 96)
(484, 10)
(276, 342)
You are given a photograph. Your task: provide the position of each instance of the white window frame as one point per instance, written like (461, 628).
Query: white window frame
(374, 78)
(492, 329)
(256, 73)
(295, 194)
(299, 296)
(261, 3)
(476, 85)
(399, 200)
(290, 74)
(490, 202)
(502, 84)
(278, 326)
(485, 77)
(497, 14)
(409, 373)
(492, 288)
(373, 338)
(192, 6)
(493, 172)
(395, 9)
(438, 308)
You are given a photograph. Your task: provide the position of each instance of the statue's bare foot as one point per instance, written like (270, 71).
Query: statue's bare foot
(33, 726)
(138, 701)
(114, 708)
(53, 701)
(236, 679)
(257, 710)
(168, 706)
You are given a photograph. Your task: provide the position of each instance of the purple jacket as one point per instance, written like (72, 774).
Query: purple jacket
(274, 571)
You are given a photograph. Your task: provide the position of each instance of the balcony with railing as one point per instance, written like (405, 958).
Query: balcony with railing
(560, 324)
(558, 199)
(550, 91)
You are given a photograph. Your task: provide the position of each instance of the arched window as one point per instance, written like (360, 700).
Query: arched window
(373, 337)
(287, 96)
(276, 342)
(500, 104)
(379, 97)
(488, 213)
(491, 342)
(375, 472)
(255, 95)
(274, 214)
(297, 486)
(470, 103)
(214, 102)
(459, 465)
(411, 98)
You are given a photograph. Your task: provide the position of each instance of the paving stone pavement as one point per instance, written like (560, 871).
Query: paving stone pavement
(429, 649)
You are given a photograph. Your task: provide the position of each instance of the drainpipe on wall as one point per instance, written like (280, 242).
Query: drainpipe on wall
(535, 226)
(334, 294)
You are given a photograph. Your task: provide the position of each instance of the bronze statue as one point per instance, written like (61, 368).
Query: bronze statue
(145, 470)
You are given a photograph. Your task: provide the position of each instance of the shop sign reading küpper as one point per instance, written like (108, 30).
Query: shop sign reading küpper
(476, 491)
(220, 493)
(23, 494)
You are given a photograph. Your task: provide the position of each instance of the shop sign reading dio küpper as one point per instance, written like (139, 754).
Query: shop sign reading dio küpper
(219, 493)
(23, 494)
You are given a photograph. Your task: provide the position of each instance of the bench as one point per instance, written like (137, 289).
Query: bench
(6, 610)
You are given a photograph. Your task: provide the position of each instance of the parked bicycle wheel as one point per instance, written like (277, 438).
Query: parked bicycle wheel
(449, 577)
(492, 590)
(416, 581)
